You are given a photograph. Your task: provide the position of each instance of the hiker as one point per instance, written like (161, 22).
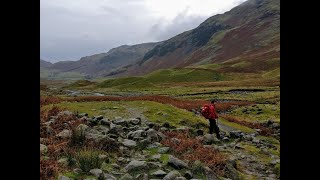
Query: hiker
(209, 112)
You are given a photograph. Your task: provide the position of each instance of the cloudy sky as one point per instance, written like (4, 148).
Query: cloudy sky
(70, 29)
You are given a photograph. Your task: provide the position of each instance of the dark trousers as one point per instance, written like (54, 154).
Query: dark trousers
(214, 127)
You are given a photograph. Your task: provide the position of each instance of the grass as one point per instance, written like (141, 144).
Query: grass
(235, 126)
(258, 112)
(153, 111)
(88, 159)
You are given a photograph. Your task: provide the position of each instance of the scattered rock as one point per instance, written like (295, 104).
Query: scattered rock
(156, 157)
(65, 113)
(136, 165)
(171, 175)
(163, 150)
(109, 177)
(188, 174)
(129, 143)
(225, 139)
(105, 122)
(166, 125)
(64, 178)
(96, 172)
(142, 177)
(210, 139)
(126, 177)
(235, 134)
(180, 178)
(63, 162)
(135, 121)
(255, 140)
(176, 163)
(121, 122)
(98, 118)
(159, 173)
(64, 134)
(43, 149)
(200, 132)
(83, 115)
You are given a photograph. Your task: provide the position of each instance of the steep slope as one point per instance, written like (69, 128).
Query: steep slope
(102, 64)
(250, 32)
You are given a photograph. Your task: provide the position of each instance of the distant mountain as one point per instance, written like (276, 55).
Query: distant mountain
(250, 31)
(45, 64)
(102, 64)
(247, 36)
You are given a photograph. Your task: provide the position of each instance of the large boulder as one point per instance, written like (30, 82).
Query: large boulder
(235, 134)
(126, 177)
(121, 122)
(135, 121)
(177, 163)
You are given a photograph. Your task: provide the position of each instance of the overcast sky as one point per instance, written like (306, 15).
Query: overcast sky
(70, 29)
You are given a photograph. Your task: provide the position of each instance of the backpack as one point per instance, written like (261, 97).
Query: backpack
(206, 111)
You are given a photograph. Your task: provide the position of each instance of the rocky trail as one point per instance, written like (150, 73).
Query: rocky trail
(141, 154)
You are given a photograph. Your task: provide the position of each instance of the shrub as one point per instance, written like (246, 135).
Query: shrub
(88, 159)
(78, 137)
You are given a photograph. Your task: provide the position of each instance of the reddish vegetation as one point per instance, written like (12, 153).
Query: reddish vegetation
(45, 100)
(191, 149)
(49, 168)
(264, 130)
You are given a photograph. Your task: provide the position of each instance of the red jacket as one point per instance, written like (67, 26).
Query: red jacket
(213, 114)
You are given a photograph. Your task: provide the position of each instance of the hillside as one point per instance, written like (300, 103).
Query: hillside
(249, 32)
(102, 64)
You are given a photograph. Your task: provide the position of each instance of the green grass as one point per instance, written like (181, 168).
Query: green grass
(153, 111)
(259, 113)
(235, 126)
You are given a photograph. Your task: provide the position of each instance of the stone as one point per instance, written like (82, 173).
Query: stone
(152, 135)
(98, 118)
(136, 134)
(143, 176)
(103, 157)
(105, 122)
(225, 139)
(136, 165)
(96, 172)
(83, 115)
(163, 150)
(126, 177)
(159, 173)
(64, 178)
(199, 132)
(153, 165)
(121, 122)
(109, 177)
(171, 175)
(176, 163)
(129, 143)
(64, 134)
(235, 134)
(65, 113)
(82, 128)
(180, 178)
(188, 174)
(43, 149)
(63, 162)
(135, 121)
(166, 125)
(153, 145)
(255, 140)
(210, 139)
(275, 125)
(156, 156)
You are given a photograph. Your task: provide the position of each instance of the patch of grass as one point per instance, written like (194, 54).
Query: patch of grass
(164, 158)
(88, 159)
(258, 113)
(277, 169)
(235, 126)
